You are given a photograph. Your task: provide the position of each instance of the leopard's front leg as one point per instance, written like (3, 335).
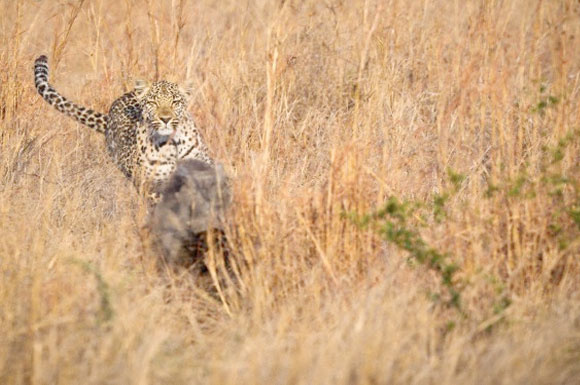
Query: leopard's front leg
(157, 157)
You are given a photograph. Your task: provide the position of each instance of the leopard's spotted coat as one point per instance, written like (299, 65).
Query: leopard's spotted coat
(146, 130)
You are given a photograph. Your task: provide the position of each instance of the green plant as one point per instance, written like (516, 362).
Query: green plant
(556, 182)
(394, 224)
(106, 312)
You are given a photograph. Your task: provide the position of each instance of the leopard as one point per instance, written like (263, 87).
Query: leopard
(147, 130)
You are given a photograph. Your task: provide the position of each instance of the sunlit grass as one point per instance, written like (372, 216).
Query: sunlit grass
(320, 111)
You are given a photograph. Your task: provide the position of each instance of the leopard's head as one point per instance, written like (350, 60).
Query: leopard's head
(164, 105)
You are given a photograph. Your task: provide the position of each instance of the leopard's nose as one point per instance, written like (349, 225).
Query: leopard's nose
(165, 119)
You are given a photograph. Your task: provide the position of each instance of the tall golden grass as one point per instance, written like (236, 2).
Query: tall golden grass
(318, 110)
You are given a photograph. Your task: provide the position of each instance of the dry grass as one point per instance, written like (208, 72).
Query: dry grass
(317, 109)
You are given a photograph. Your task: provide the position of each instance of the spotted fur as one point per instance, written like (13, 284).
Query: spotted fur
(93, 119)
(146, 131)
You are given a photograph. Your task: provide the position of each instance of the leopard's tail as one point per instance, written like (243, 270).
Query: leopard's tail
(90, 118)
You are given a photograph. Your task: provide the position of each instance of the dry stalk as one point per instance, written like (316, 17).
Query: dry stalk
(363, 60)
(179, 22)
(61, 41)
(154, 35)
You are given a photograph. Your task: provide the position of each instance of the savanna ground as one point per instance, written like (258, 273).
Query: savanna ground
(322, 111)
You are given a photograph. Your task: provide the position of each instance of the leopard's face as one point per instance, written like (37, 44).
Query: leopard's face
(164, 106)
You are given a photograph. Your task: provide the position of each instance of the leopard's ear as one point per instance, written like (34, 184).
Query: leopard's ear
(187, 89)
(141, 88)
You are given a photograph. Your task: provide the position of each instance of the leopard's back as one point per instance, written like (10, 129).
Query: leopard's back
(121, 134)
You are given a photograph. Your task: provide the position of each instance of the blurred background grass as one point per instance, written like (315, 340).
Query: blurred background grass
(317, 109)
